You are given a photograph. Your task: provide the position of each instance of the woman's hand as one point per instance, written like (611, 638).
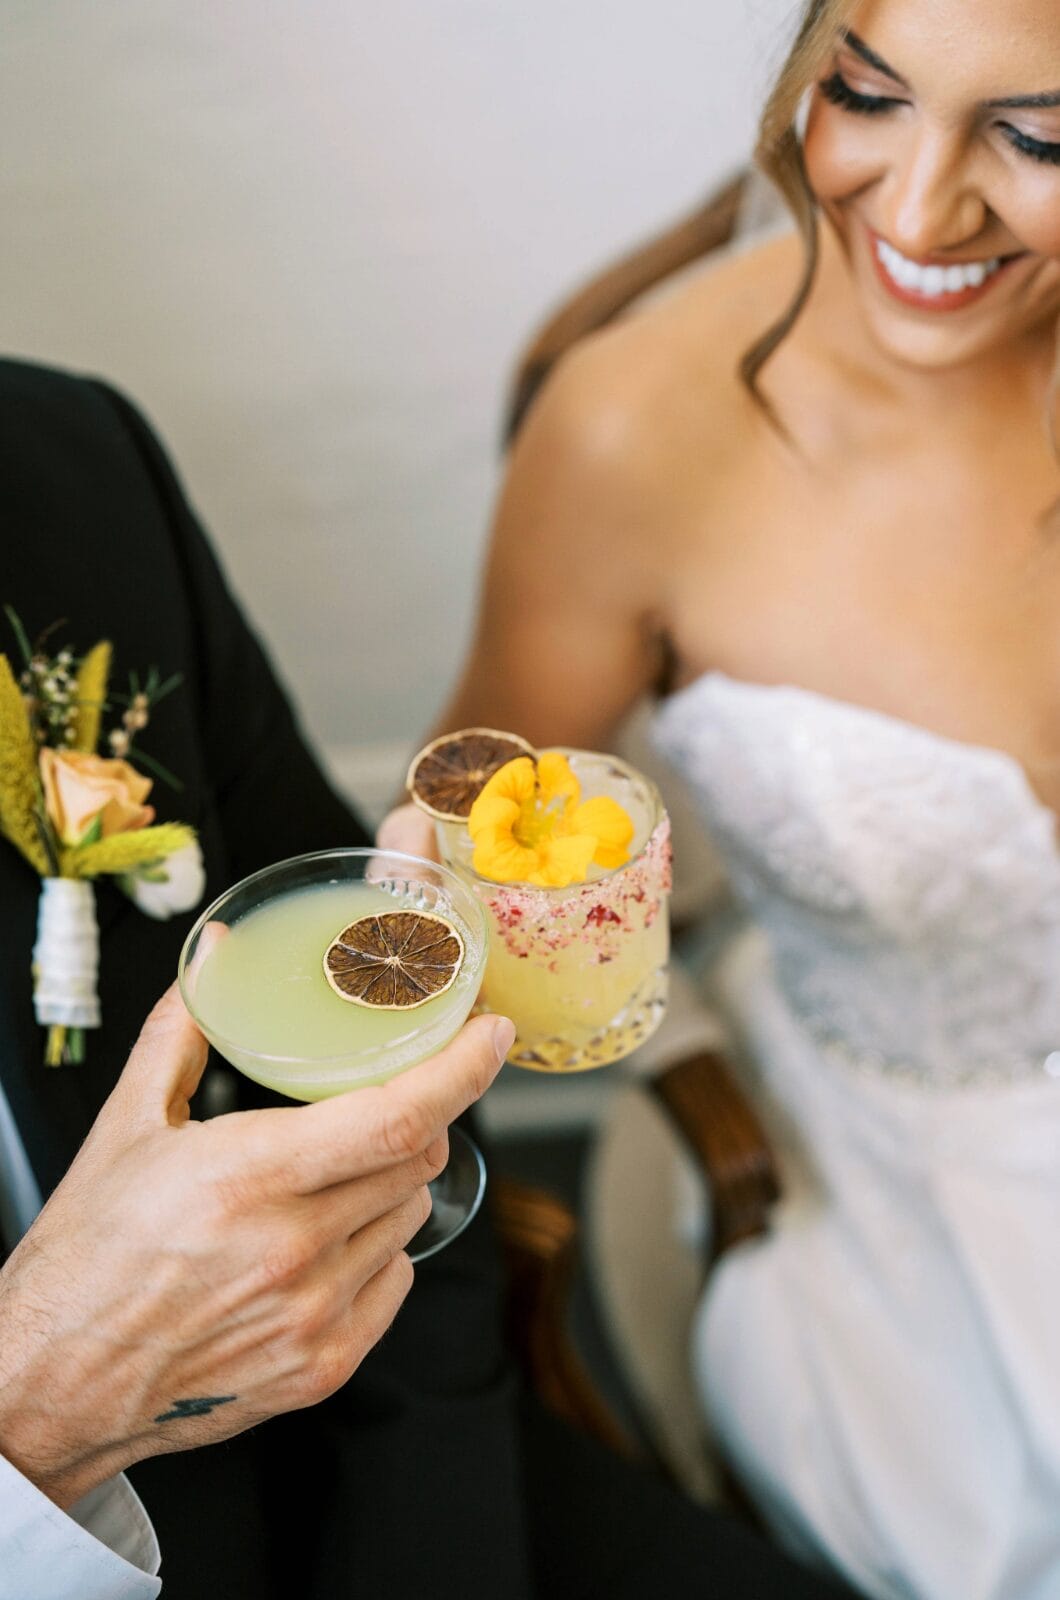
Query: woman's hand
(410, 830)
(189, 1279)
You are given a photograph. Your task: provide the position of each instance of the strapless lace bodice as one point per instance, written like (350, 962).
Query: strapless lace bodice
(909, 884)
(880, 1367)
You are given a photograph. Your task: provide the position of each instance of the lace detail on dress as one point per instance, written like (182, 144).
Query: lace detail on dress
(909, 884)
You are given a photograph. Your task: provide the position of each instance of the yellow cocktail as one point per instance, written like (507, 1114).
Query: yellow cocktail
(581, 970)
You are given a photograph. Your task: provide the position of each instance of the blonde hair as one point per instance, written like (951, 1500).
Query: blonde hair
(779, 154)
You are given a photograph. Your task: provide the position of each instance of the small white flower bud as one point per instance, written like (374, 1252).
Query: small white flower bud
(171, 886)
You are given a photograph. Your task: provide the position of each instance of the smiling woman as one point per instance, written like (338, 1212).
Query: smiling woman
(810, 481)
(959, 175)
(949, 199)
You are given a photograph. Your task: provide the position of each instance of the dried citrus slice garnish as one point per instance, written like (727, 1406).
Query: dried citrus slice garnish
(449, 774)
(394, 960)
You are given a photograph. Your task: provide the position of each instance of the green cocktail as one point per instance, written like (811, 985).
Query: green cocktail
(263, 999)
(254, 974)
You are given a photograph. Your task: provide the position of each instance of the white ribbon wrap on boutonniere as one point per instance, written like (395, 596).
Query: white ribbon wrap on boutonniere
(66, 955)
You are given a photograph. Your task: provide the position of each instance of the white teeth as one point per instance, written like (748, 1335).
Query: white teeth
(933, 281)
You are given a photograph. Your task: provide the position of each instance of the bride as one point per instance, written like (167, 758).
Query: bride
(822, 478)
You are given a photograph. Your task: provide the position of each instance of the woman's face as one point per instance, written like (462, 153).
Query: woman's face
(933, 144)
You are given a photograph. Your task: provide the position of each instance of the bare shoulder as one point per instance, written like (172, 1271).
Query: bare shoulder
(626, 469)
(631, 402)
(615, 481)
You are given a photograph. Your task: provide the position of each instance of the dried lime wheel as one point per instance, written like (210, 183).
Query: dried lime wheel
(450, 773)
(395, 960)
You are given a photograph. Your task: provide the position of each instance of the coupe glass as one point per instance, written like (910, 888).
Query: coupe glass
(260, 995)
(581, 971)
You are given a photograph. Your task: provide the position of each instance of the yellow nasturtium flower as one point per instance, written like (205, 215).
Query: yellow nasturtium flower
(528, 826)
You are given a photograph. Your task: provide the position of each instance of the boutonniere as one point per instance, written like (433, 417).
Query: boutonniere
(77, 815)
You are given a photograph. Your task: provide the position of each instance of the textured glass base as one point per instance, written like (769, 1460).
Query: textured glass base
(456, 1195)
(636, 1022)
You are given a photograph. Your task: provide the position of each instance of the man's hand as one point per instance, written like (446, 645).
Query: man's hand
(189, 1279)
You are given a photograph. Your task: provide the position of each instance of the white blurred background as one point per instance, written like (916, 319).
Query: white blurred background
(310, 238)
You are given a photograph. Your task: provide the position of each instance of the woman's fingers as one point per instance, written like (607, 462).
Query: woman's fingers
(410, 830)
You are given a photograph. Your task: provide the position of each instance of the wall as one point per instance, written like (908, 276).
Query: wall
(310, 238)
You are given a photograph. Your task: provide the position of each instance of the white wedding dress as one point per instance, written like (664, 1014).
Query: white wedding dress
(884, 1367)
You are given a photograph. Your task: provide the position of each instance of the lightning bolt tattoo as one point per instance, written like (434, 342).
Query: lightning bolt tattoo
(195, 1408)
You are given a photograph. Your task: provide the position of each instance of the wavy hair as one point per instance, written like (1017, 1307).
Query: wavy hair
(779, 155)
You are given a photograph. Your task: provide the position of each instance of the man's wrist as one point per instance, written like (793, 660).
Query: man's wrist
(67, 1488)
(35, 1448)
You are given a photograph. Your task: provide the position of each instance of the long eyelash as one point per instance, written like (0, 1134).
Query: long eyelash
(1037, 149)
(838, 91)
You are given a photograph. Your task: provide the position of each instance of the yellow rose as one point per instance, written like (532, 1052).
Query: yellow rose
(79, 788)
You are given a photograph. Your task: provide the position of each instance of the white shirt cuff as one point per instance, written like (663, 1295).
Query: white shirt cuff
(104, 1548)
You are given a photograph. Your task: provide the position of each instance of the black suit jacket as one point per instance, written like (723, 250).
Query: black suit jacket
(96, 530)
